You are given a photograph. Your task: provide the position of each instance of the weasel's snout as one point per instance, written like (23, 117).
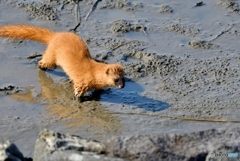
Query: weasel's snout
(123, 84)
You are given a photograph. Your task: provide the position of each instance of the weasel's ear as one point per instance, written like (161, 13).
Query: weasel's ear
(107, 71)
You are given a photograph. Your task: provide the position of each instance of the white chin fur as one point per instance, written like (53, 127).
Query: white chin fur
(119, 86)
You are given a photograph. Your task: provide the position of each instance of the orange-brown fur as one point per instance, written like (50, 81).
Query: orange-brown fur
(69, 51)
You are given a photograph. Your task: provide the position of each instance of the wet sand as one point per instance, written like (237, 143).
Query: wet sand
(181, 62)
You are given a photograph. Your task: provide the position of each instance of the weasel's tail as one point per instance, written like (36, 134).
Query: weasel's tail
(27, 32)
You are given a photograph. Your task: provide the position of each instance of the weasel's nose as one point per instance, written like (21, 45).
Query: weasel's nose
(123, 84)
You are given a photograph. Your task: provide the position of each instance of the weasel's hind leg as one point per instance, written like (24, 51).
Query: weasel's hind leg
(47, 62)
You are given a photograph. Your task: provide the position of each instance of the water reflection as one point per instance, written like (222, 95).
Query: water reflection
(62, 108)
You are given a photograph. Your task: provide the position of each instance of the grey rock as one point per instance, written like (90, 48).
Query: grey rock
(79, 156)
(193, 146)
(53, 146)
(6, 89)
(9, 151)
(209, 145)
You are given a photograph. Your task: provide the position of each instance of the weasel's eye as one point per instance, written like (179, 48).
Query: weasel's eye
(116, 80)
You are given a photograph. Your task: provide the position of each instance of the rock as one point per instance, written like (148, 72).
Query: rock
(53, 146)
(213, 144)
(9, 151)
(79, 156)
(8, 89)
(194, 146)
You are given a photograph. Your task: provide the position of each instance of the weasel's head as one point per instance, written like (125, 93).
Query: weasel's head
(115, 76)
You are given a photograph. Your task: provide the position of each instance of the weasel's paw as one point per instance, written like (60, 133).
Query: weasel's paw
(45, 66)
(41, 65)
(78, 98)
(78, 95)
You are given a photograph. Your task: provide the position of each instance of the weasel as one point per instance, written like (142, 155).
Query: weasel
(71, 53)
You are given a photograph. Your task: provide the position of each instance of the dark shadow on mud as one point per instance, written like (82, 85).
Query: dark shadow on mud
(131, 96)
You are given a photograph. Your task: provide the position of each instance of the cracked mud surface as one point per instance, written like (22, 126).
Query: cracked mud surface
(181, 62)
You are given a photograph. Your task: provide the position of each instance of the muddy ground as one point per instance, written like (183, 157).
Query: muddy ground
(182, 61)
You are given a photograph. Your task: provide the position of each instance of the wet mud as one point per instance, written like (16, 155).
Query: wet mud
(181, 62)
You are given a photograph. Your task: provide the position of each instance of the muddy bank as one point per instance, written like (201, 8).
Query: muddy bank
(181, 62)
